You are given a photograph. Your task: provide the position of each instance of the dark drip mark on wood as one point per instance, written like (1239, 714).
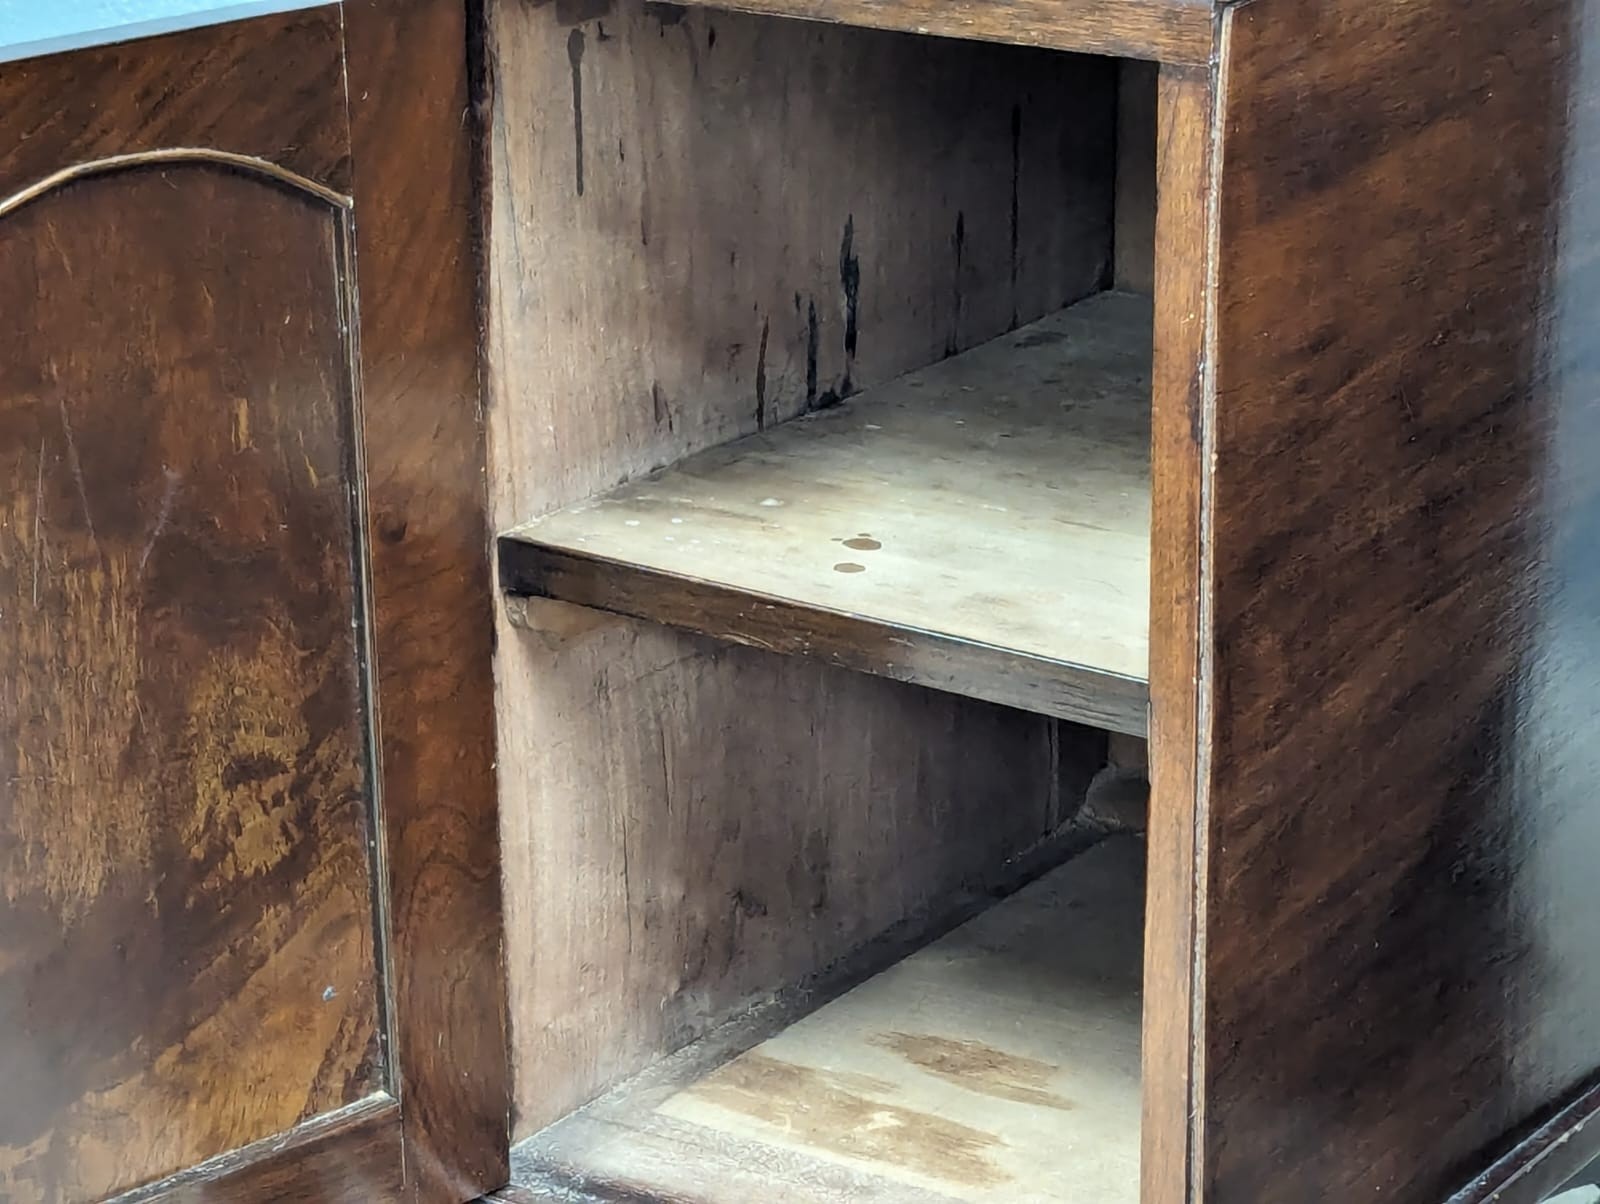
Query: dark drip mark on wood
(1016, 205)
(811, 355)
(575, 57)
(864, 543)
(665, 14)
(761, 376)
(850, 283)
(711, 37)
(661, 405)
(849, 567)
(953, 343)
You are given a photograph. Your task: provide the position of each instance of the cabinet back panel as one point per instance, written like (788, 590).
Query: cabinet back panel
(702, 224)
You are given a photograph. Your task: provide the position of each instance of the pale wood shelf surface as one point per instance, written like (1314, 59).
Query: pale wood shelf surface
(998, 1064)
(981, 526)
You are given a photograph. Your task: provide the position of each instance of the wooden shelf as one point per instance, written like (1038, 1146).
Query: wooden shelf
(981, 526)
(1176, 31)
(998, 1064)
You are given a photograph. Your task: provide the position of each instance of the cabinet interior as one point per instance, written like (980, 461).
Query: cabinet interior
(819, 398)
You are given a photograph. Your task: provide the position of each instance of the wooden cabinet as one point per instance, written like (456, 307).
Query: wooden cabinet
(1040, 640)
(248, 927)
(821, 343)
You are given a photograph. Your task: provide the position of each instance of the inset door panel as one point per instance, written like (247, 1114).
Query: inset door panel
(187, 954)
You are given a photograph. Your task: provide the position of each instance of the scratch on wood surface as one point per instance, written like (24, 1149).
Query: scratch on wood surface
(77, 472)
(38, 511)
(163, 516)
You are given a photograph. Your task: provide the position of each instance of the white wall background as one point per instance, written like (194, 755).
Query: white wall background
(30, 27)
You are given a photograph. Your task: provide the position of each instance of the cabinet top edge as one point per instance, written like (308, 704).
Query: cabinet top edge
(1173, 31)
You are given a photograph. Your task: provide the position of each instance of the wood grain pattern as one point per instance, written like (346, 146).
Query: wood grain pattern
(681, 779)
(417, 266)
(187, 955)
(160, 93)
(1178, 31)
(349, 1155)
(1400, 964)
(981, 526)
(1181, 404)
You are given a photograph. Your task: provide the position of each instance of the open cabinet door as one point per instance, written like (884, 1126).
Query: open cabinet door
(250, 938)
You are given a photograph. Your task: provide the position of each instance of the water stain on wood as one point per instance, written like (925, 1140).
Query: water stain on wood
(863, 543)
(835, 1111)
(978, 1067)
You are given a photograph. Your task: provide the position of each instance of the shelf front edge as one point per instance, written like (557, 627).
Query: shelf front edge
(1059, 689)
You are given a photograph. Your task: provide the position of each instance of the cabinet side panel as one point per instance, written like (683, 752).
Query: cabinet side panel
(1400, 969)
(703, 224)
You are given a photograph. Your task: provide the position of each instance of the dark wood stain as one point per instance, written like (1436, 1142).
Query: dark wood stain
(187, 954)
(761, 376)
(850, 287)
(1168, 30)
(1400, 969)
(416, 144)
(837, 1112)
(979, 1067)
(575, 60)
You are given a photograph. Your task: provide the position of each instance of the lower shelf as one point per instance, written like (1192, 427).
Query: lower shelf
(981, 526)
(1000, 1063)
